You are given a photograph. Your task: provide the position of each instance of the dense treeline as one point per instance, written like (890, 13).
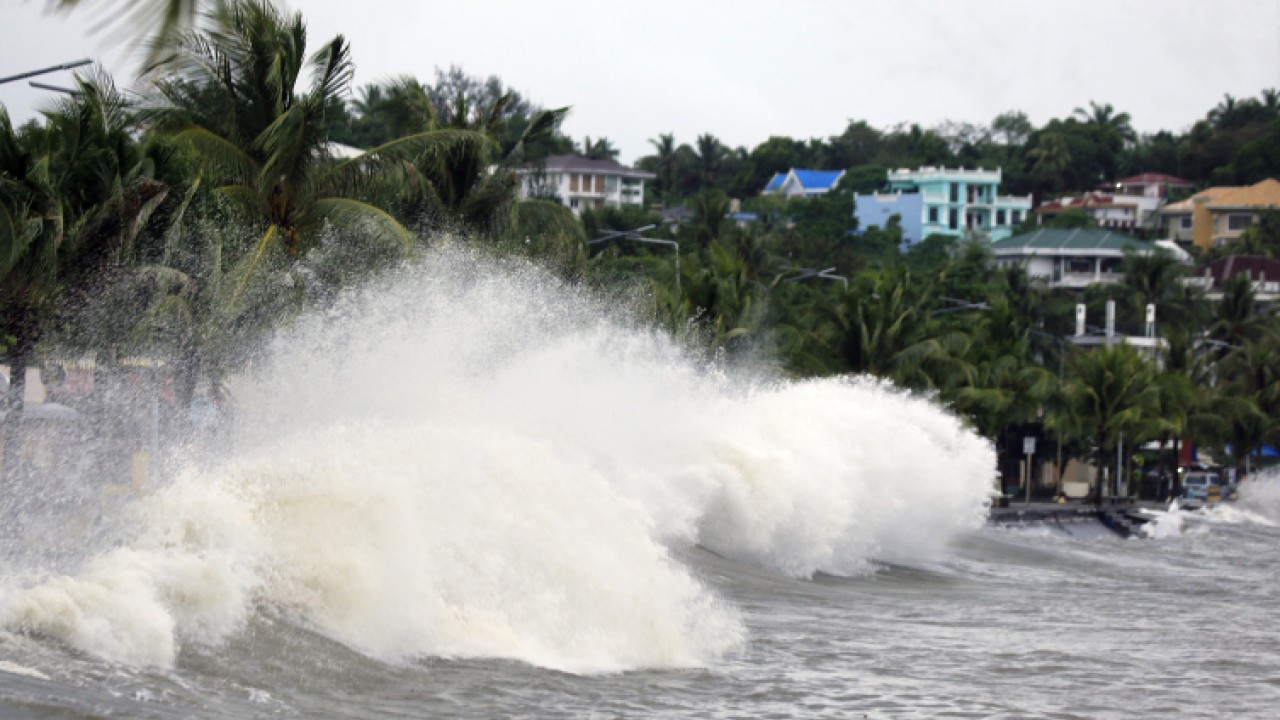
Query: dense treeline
(185, 223)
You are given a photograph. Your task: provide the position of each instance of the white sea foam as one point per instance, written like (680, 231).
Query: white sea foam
(1261, 496)
(1163, 524)
(16, 669)
(467, 460)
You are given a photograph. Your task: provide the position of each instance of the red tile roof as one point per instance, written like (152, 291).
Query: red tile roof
(1157, 178)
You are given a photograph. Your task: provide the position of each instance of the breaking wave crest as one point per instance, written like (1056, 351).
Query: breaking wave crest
(468, 459)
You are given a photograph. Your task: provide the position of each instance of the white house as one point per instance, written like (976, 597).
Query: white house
(1110, 211)
(582, 183)
(1070, 258)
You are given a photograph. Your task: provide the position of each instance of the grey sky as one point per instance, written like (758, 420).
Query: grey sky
(747, 69)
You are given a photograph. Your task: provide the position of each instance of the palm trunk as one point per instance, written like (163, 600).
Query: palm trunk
(1101, 468)
(24, 332)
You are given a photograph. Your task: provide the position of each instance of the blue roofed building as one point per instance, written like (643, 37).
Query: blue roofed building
(803, 183)
(955, 200)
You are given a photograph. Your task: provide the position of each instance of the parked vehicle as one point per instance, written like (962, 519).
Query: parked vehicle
(1202, 485)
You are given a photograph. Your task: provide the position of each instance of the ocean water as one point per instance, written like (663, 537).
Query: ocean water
(469, 491)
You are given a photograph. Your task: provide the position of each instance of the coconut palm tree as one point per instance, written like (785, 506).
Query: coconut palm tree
(1111, 123)
(1111, 392)
(1051, 155)
(711, 153)
(156, 22)
(74, 194)
(665, 145)
(231, 95)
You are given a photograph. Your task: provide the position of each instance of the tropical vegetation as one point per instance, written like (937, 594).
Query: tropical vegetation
(251, 180)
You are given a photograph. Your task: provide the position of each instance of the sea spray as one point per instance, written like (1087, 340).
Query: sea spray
(469, 459)
(1261, 495)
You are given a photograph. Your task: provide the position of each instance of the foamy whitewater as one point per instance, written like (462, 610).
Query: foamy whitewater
(472, 461)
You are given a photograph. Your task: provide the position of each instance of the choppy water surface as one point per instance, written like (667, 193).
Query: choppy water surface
(470, 493)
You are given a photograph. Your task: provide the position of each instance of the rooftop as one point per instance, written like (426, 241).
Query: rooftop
(1079, 239)
(814, 179)
(1088, 200)
(1256, 267)
(1262, 194)
(575, 163)
(1156, 178)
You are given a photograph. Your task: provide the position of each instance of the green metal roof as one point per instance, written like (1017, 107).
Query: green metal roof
(1051, 239)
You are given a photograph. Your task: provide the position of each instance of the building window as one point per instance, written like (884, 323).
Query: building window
(1000, 217)
(955, 195)
(1239, 222)
(933, 215)
(600, 184)
(1079, 265)
(1185, 222)
(586, 183)
(573, 203)
(953, 221)
(1015, 217)
(573, 183)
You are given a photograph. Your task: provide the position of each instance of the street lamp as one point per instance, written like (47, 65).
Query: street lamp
(43, 71)
(959, 306)
(634, 236)
(825, 274)
(1062, 362)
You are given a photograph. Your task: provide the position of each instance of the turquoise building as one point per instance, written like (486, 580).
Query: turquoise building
(953, 200)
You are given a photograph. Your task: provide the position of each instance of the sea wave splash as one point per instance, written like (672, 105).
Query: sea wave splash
(1261, 495)
(469, 459)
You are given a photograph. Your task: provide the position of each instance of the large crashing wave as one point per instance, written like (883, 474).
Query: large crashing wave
(472, 460)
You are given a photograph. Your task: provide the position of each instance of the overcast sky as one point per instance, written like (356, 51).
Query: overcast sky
(747, 69)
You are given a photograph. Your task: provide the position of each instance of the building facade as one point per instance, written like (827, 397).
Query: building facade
(582, 183)
(955, 200)
(1110, 211)
(1070, 258)
(1213, 217)
(1151, 185)
(876, 209)
(1263, 274)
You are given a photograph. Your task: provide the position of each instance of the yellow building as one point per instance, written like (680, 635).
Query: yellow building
(1221, 214)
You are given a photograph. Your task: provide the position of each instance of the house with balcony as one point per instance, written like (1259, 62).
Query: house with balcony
(955, 200)
(1071, 259)
(797, 183)
(1108, 210)
(1217, 215)
(1150, 185)
(582, 183)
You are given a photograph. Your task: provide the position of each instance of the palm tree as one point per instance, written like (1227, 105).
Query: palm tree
(1104, 117)
(235, 103)
(710, 221)
(601, 149)
(1156, 279)
(711, 153)
(1112, 392)
(665, 145)
(1222, 113)
(1238, 320)
(157, 21)
(885, 329)
(73, 196)
(1252, 373)
(1050, 154)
